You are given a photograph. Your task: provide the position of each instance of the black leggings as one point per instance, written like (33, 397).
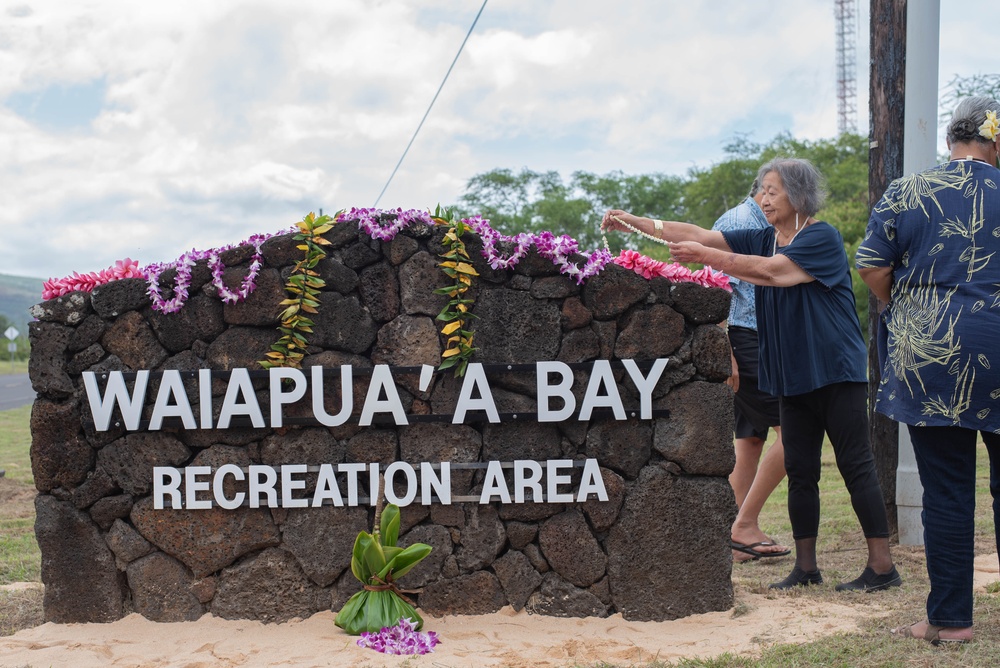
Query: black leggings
(841, 411)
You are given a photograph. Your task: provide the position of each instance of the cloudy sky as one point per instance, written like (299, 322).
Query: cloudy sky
(144, 129)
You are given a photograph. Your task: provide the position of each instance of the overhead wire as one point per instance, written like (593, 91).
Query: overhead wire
(431, 105)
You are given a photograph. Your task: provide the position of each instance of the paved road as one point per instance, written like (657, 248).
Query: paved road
(15, 391)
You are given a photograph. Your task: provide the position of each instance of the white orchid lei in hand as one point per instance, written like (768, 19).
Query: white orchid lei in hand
(990, 127)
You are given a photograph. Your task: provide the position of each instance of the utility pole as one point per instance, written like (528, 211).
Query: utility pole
(885, 162)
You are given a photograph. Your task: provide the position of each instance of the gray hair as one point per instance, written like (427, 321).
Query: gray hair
(755, 186)
(969, 115)
(802, 181)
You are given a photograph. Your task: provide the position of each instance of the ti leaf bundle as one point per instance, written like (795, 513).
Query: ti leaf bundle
(378, 563)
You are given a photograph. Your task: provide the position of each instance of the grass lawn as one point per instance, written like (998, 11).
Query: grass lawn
(19, 366)
(20, 560)
(19, 556)
(841, 554)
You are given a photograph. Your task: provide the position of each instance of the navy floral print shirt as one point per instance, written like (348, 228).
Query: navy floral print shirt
(939, 337)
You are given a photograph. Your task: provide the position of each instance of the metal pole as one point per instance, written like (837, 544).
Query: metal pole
(919, 153)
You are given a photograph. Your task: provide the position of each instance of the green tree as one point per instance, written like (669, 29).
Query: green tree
(502, 196)
(653, 195)
(526, 201)
(711, 191)
(530, 201)
(962, 87)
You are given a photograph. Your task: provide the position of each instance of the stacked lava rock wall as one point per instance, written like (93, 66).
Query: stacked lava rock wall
(657, 549)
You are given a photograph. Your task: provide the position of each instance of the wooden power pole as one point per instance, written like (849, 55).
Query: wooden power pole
(885, 163)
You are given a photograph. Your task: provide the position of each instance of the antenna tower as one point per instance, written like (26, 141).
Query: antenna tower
(847, 85)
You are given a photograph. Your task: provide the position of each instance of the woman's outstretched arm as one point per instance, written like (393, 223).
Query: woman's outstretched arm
(666, 230)
(777, 271)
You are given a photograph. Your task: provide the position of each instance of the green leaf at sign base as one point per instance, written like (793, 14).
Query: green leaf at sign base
(377, 562)
(374, 557)
(361, 572)
(403, 562)
(371, 611)
(390, 525)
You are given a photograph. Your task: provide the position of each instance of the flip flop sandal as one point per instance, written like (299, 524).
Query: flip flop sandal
(757, 554)
(931, 635)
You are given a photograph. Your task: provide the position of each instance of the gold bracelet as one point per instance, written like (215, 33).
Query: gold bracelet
(658, 228)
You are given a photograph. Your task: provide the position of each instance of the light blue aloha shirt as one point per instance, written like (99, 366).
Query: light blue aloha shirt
(744, 216)
(940, 232)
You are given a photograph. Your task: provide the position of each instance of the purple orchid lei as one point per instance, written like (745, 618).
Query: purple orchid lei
(249, 283)
(187, 260)
(379, 224)
(369, 220)
(557, 249)
(491, 238)
(400, 639)
(181, 283)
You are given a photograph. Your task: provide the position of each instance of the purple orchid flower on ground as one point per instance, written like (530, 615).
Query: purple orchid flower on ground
(400, 639)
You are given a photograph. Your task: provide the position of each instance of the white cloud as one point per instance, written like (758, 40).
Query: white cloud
(221, 119)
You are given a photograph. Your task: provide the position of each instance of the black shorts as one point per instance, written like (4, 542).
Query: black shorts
(755, 411)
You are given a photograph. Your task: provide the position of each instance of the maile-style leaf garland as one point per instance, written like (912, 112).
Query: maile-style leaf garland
(303, 286)
(458, 267)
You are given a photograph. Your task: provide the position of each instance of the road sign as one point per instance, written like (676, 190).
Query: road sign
(11, 333)
(12, 347)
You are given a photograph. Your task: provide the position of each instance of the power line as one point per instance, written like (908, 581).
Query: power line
(431, 105)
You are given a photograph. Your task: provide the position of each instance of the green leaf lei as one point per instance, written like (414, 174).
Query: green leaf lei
(457, 266)
(303, 285)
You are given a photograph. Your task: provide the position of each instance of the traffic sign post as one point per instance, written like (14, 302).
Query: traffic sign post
(11, 334)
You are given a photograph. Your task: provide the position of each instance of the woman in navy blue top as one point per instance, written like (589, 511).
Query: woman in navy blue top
(931, 252)
(812, 354)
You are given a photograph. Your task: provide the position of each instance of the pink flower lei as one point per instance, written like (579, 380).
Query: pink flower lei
(57, 287)
(650, 268)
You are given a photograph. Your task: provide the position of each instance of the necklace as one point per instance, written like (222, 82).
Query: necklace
(774, 249)
(637, 231)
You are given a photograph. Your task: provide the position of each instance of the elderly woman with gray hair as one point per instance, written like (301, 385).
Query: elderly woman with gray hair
(812, 354)
(930, 252)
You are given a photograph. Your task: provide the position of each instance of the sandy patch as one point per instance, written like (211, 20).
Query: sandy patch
(506, 638)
